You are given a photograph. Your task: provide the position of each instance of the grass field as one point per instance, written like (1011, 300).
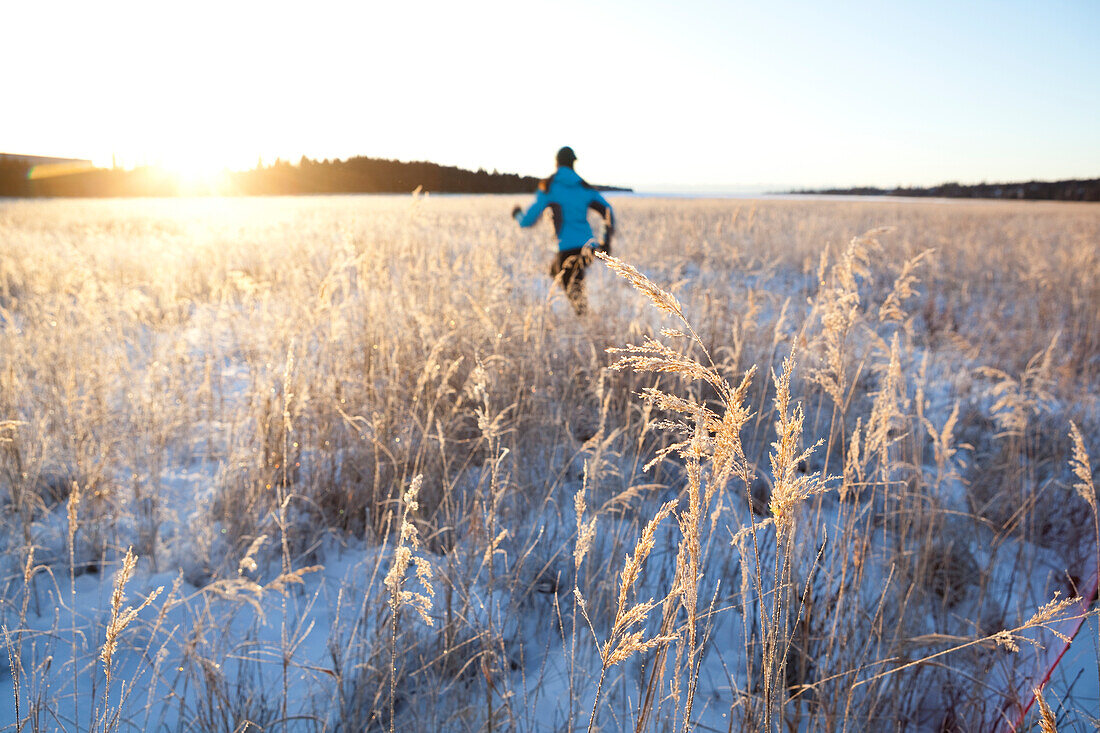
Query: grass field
(386, 480)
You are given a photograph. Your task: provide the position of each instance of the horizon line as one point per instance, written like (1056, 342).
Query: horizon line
(645, 187)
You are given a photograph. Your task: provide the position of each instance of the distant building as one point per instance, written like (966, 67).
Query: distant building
(43, 160)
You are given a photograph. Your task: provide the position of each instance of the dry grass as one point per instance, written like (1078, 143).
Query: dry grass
(195, 378)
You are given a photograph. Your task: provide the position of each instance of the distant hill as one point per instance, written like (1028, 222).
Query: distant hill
(19, 176)
(1072, 190)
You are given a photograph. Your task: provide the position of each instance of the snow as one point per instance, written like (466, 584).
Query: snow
(262, 646)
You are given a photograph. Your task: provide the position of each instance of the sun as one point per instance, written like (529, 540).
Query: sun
(196, 172)
(202, 166)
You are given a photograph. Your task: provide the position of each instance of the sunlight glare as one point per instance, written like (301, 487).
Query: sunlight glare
(198, 171)
(194, 174)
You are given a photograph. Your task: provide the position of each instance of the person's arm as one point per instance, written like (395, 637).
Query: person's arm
(601, 207)
(530, 218)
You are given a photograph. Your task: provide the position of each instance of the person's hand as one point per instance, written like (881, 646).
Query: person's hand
(516, 211)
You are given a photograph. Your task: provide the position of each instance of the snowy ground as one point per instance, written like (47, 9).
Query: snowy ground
(305, 655)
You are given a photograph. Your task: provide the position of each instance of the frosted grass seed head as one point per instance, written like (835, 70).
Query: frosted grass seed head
(1081, 466)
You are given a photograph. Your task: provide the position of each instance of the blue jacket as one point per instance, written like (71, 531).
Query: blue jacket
(569, 198)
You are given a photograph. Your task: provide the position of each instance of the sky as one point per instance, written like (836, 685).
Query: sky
(693, 95)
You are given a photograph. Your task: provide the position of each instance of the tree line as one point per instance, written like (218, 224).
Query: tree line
(354, 175)
(1069, 190)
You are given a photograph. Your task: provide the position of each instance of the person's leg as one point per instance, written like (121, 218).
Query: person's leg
(573, 282)
(568, 265)
(556, 264)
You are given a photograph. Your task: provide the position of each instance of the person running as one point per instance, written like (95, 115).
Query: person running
(569, 198)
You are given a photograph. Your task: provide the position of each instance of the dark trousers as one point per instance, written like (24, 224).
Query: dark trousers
(569, 265)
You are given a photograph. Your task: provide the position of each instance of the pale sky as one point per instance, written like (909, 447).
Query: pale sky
(654, 95)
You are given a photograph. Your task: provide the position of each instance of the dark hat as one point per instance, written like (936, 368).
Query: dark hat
(566, 156)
